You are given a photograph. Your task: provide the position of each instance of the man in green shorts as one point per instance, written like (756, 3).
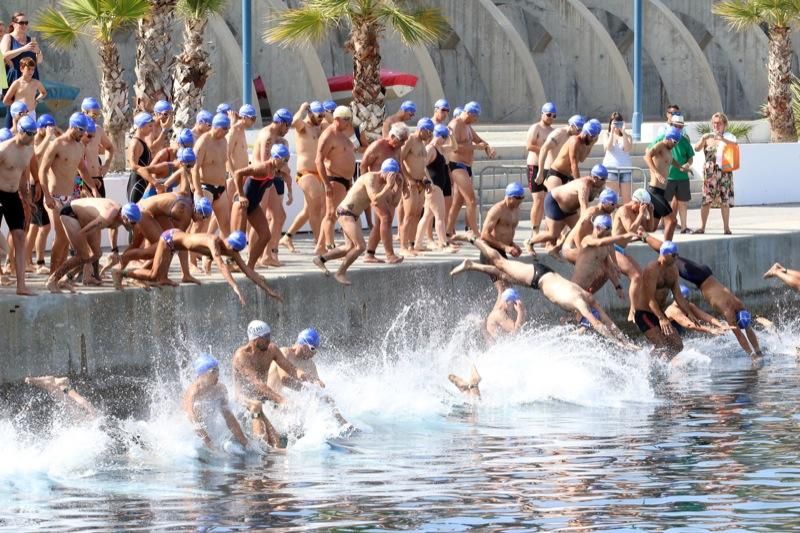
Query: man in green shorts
(678, 191)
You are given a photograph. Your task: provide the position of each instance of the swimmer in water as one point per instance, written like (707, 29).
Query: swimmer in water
(251, 367)
(560, 291)
(470, 386)
(705, 323)
(508, 315)
(60, 389)
(789, 277)
(207, 397)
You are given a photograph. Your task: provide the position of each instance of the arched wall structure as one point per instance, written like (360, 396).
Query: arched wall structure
(604, 83)
(681, 64)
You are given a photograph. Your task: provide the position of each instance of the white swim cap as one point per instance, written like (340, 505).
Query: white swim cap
(399, 130)
(641, 196)
(257, 329)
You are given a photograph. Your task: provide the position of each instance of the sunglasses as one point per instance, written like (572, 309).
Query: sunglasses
(22, 22)
(27, 66)
(550, 115)
(517, 197)
(29, 133)
(188, 165)
(82, 130)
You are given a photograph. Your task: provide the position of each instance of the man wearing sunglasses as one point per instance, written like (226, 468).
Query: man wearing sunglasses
(16, 158)
(537, 135)
(61, 163)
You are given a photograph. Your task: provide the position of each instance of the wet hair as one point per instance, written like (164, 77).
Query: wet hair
(14, 18)
(615, 116)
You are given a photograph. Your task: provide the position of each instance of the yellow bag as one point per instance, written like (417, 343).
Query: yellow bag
(730, 158)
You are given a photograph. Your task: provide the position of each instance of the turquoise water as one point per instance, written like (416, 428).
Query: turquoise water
(570, 435)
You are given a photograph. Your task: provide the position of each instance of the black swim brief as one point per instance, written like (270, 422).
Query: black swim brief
(342, 212)
(254, 189)
(646, 320)
(661, 207)
(455, 165)
(11, 209)
(539, 271)
(344, 182)
(67, 211)
(215, 190)
(565, 178)
(693, 272)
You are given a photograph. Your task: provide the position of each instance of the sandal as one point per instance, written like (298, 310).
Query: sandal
(698, 232)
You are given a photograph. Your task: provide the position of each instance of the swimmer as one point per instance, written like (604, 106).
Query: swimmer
(406, 112)
(414, 160)
(502, 220)
(537, 136)
(705, 323)
(61, 390)
(659, 160)
(441, 111)
(207, 397)
(39, 228)
(789, 277)
(307, 125)
(139, 156)
(202, 123)
(560, 291)
(211, 153)
(329, 106)
(163, 118)
(370, 188)
(632, 217)
(437, 189)
(564, 167)
(251, 368)
(98, 141)
(508, 315)
(570, 244)
(468, 387)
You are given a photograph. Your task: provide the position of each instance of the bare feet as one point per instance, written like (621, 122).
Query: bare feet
(320, 265)
(4, 280)
(169, 283)
(207, 265)
(341, 278)
(92, 282)
(190, 279)
(465, 236)
(25, 291)
(41, 269)
(470, 387)
(52, 285)
(408, 252)
(66, 285)
(287, 243)
(394, 259)
(272, 261)
(112, 260)
(370, 258)
(465, 265)
(116, 278)
(774, 269)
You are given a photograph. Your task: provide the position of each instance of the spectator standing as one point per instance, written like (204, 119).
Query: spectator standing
(678, 192)
(16, 46)
(617, 143)
(717, 185)
(3, 80)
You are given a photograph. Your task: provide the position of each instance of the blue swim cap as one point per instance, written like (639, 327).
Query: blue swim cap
(187, 155)
(457, 111)
(667, 248)
(27, 124)
(162, 106)
(203, 206)
(684, 291)
(309, 337)
(602, 221)
(592, 128)
(425, 123)
(247, 111)
(283, 115)
(45, 121)
(577, 121)
(549, 107)
(185, 138)
(673, 134)
(78, 120)
(205, 363)
(91, 127)
(585, 323)
(90, 103)
(473, 108)
(279, 151)
(224, 107)
(222, 121)
(18, 107)
(743, 319)
(131, 212)
(237, 240)
(203, 117)
(510, 295)
(600, 171)
(140, 120)
(390, 165)
(440, 130)
(441, 103)
(409, 107)
(608, 196)
(515, 190)
(5, 134)
(316, 107)
(329, 105)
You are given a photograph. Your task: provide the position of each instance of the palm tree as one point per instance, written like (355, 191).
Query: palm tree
(154, 56)
(367, 20)
(99, 20)
(778, 16)
(192, 68)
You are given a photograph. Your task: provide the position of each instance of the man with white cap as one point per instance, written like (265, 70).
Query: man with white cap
(251, 367)
(60, 165)
(564, 167)
(206, 397)
(467, 141)
(369, 188)
(406, 112)
(537, 135)
(678, 191)
(441, 112)
(336, 164)
(508, 315)
(211, 152)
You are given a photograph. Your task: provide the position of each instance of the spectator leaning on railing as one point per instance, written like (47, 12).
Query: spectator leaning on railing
(721, 152)
(617, 144)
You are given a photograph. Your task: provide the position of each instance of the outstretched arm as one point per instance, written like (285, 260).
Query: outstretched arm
(255, 277)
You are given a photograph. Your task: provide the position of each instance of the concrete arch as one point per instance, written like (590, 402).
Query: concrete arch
(683, 68)
(504, 64)
(746, 50)
(602, 76)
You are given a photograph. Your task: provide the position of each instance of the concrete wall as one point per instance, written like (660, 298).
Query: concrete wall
(511, 55)
(55, 334)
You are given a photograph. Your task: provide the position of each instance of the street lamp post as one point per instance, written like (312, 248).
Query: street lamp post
(247, 46)
(637, 70)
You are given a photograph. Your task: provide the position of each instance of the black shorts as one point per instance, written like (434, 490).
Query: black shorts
(136, 187)
(215, 190)
(661, 206)
(11, 209)
(539, 270)
(679, 188)
(254, 190)
(39, 216)
(533, 170)
(552, 210)
(280, 185)
(646, 320)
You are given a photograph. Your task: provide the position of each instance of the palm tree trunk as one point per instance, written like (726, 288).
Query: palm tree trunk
(154, 56)
(779, 96)
(114, 99)
(368, 97)
(192, 71)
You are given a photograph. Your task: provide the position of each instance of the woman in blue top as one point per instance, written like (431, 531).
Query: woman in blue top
(16, 46)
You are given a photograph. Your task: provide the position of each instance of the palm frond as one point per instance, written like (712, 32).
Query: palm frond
(331, 9)
(53, 26)
(299, 26)
(122, 13)
(198, 9)
(82, 12)
(420, 26)
(742, 14)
